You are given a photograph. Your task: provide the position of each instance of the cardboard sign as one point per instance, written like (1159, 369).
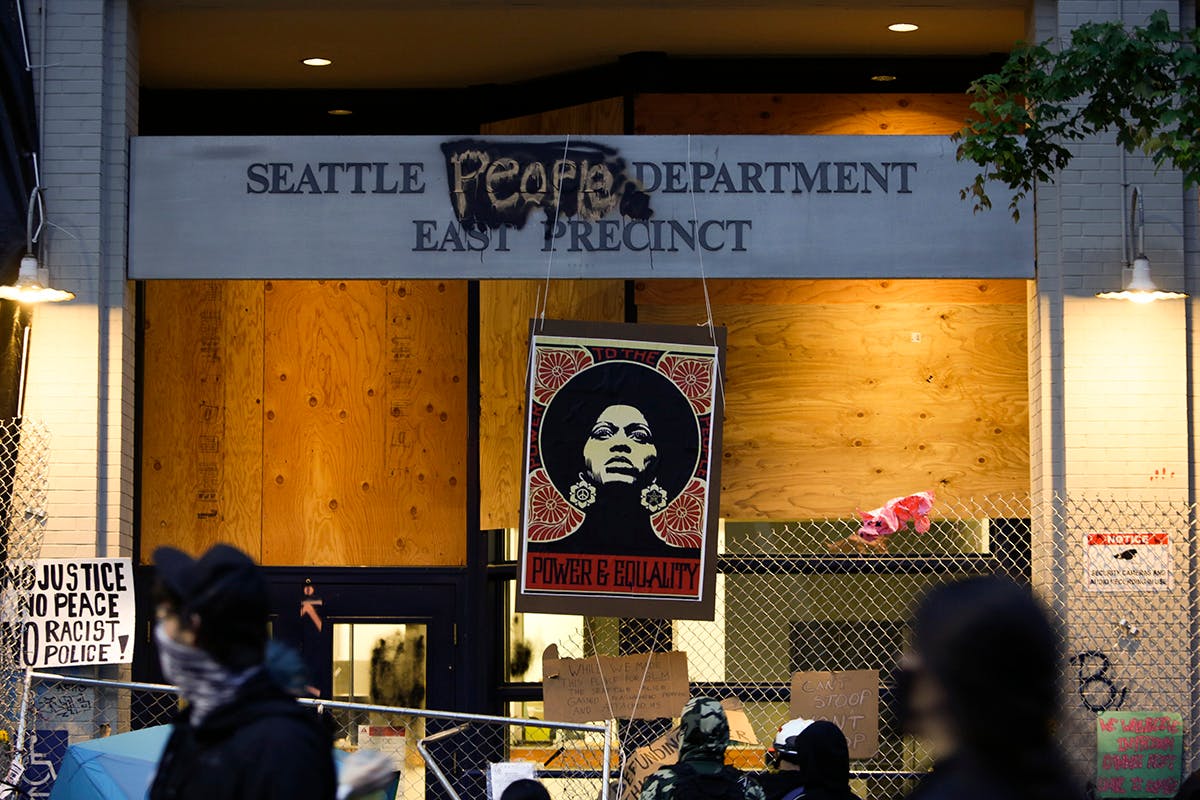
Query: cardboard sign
(664, 750)
(1129, 562)
(1138, 753)
(740, 729)
(619, 514)
(645, 761)
(73, 611)
(576, 689)
(849, 700)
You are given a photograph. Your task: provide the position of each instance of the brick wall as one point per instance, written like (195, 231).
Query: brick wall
(81, 364)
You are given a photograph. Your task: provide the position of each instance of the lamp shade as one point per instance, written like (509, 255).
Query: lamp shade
(1141, 287)
(33, 285)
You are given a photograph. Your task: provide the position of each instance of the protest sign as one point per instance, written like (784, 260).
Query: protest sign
(664, 750)
(625, 687)
(740, 729)
(849, 700)
(1138, 753)
(645, 761)
(73, 611)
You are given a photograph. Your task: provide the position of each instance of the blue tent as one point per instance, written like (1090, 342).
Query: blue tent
(113, 768)
(121, 767)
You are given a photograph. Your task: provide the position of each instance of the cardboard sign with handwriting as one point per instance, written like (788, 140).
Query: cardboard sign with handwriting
(849, 700)
(625, 687)
(740, 729)
(664, 750)
(645, 761)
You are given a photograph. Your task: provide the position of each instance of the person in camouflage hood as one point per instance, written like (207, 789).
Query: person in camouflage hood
(701, 771)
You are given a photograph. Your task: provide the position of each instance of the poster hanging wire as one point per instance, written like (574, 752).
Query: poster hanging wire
(708, 322)
(608, 697)
(544, 295)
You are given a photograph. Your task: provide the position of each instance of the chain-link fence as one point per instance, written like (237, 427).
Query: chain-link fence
(435, 754)
(1119, 575)
(24, 456)
(811, 595)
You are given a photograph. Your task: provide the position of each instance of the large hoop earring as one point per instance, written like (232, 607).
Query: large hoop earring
(654, 497)
(582, 493)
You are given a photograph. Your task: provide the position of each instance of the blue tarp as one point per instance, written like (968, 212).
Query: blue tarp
(114, 768)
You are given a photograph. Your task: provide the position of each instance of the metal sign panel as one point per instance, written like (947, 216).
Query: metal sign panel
(597, 207)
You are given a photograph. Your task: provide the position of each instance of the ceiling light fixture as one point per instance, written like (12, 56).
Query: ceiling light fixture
(1139, 286)
(883, 78)
(903, 27)
(316, 61)
(339, 112)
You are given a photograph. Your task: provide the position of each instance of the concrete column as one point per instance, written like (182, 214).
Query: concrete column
(1110, 422)
(81, 364)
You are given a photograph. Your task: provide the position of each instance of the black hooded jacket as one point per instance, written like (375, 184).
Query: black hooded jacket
(261, 746)
(823, 761)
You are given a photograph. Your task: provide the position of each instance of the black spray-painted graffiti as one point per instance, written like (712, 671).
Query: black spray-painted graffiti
(493, 184)
(1097, 690)
(64, 702)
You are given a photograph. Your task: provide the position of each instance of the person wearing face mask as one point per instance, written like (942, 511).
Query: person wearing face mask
(620, 442)
(811, 761)
(241, 735)
(975, 641)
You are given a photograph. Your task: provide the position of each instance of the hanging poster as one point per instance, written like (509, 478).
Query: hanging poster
(1138, 753)
(623, 431)
(1129, 562)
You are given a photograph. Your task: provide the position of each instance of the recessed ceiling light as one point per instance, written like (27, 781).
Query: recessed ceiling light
(903, 27)
(883, 78)
(316, 61)
(339, 112)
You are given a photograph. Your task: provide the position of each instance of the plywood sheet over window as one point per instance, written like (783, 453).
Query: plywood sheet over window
(842, 394)
(344, 405)
(202, 415)
(807, 114)
(505, 310)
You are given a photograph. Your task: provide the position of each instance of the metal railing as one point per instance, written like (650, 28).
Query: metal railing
(582, 755)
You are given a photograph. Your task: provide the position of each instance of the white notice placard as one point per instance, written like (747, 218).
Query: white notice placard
(1129, 562)
(73, 611)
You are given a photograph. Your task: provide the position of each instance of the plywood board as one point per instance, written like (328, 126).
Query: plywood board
(425, 463)
(505, 310)
(364, 442)
(325, 421)
(601, 116)
(201, 415)
(811, 114)
(831, 407)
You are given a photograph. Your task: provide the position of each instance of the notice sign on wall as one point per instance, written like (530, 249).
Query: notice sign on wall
(849, 700)
(73, 612)
(1129, 562)
(1138, 753)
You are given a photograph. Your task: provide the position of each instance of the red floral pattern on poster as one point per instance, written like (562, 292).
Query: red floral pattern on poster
(693, 376)
(555, 366)
(551, 517)
(682, 522)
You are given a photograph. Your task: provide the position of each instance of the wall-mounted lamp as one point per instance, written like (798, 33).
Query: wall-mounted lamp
(1139, 287)
(33, 280)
